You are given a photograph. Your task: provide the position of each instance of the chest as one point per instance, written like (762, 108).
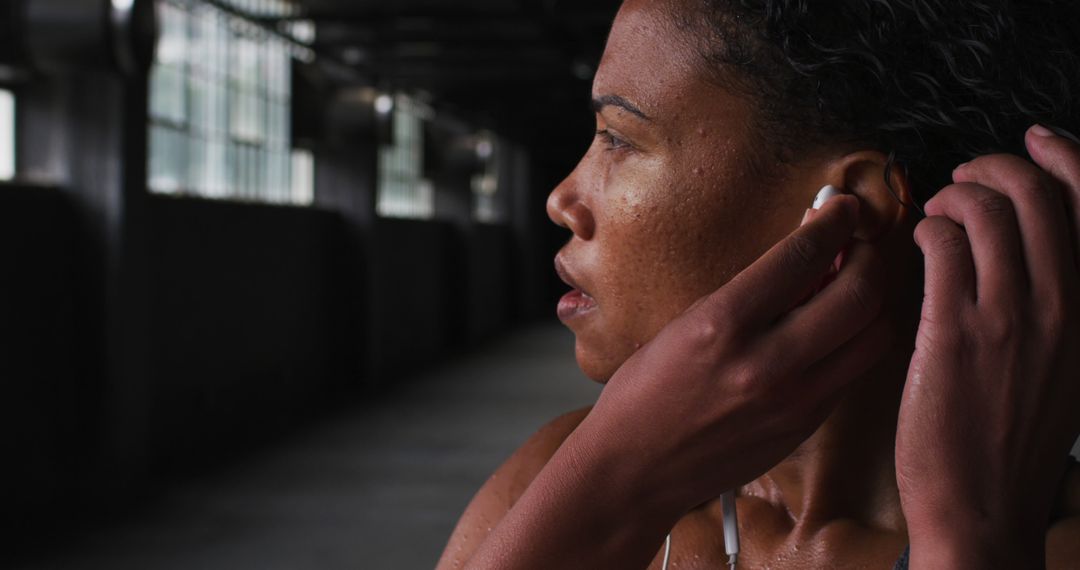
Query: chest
(769, 541)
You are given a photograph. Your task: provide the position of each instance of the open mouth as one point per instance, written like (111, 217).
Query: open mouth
(577, 302)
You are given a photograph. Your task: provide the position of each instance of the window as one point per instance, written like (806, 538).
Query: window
(303, 176)
(487, 206)
(220, 101)
(7, 135)
(402, 190)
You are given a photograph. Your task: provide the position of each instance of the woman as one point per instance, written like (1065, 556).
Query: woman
(749, 343)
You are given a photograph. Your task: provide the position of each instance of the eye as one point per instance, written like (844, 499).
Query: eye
(613, 142)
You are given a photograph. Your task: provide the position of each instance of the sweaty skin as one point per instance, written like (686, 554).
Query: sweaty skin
(673, 199)
(667, 207)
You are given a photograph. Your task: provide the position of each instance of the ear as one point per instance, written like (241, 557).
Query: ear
(883, 204)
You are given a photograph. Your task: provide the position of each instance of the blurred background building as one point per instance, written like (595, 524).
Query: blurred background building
(277, 283)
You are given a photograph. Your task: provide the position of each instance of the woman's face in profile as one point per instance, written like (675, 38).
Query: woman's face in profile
(665, 206)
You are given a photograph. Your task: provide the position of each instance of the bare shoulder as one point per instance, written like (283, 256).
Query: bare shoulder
(1063, 538)
(505, 486)
(522, 467)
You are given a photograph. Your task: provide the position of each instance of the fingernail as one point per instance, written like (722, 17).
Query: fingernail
(805, 217)
(1041, 131)
(827, 193)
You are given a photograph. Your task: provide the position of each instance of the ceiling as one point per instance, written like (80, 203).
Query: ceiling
(515, 64)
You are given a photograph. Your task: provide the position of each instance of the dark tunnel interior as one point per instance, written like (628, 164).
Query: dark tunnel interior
(224, 220)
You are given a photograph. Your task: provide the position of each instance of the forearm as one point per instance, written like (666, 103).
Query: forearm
(588, 508)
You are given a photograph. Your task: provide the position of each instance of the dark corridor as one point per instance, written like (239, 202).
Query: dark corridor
(231, 226)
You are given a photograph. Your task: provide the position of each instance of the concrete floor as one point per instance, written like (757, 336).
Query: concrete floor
(380, 488)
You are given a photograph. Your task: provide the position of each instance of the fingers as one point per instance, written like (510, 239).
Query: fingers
(1060, 157)
(989, 220)
(793, 267)
(950, 268)
(836, 314)
(1040, 213)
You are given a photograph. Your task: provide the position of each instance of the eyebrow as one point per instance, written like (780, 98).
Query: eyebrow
(598, 104)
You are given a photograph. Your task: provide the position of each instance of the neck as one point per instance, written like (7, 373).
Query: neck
(846, 470)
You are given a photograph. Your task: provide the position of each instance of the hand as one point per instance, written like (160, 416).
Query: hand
(988, 413)
(749, 372)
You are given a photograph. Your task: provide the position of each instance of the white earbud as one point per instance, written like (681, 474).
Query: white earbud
(827, 193)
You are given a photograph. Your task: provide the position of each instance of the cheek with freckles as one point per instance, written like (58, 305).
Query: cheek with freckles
(666, 244)
(669, 232)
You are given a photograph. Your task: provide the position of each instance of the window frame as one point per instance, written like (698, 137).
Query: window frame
(220, 113)
(9, 137)
(401, 190)
(488, 194)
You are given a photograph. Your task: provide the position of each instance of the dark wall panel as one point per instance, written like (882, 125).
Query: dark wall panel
(44, 376)
(488, 289)
(256, 317)
(408, 288)
(251, 321)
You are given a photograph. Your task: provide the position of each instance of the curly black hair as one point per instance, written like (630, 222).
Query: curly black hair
(931, 83)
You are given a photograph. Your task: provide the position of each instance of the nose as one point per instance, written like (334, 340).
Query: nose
(566, 208)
